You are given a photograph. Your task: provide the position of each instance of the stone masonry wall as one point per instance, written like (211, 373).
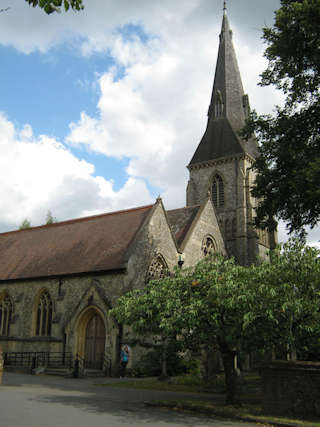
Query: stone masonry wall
(207, 225)
(291, 389)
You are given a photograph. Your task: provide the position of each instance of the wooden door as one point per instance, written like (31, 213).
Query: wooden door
(95, 342)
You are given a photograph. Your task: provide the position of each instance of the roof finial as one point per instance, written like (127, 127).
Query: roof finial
(225, 7)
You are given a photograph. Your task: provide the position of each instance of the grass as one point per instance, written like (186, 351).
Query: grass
(245, 412)
(249, 393)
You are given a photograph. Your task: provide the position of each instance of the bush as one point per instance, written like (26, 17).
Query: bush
(149, 365)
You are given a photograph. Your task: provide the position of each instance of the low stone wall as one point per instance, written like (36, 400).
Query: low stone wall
(291, 388)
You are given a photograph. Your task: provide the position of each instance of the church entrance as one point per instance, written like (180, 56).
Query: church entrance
(91, 338)
(95, 339)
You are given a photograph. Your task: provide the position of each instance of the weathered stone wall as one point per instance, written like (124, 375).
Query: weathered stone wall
(70, 297)
(234, 215)
(207, 225)
(73, 297)
(153, 239)
(291, 388)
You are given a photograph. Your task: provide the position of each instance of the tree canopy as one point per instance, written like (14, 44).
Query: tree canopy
(233, 307)
(288, 168)
(50, 6)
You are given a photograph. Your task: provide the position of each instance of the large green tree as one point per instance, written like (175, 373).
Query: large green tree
(233, 307)
(50, 6)
(288, 168)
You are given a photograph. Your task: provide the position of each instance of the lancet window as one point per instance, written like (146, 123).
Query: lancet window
(217, 191)
(44, 315)
(5, 315)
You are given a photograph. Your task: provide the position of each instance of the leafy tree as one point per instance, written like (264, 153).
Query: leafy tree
(50, 6)
(144, 311)
(234, 307)
(288, 169)
(25, 224)
(49, 218)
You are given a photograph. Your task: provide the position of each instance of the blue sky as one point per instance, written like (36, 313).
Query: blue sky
(102, 110)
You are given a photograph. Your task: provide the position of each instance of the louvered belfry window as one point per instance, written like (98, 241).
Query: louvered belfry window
(5, 315)
(44, 315)
(218, 191)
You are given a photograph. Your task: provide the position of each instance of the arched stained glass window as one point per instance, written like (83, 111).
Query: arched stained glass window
(157, 268)
(208, 246)
(44, 315)
(217, 191)
(5, 314)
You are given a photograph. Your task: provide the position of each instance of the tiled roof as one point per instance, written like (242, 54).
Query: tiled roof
(180, 221)
(92, 244)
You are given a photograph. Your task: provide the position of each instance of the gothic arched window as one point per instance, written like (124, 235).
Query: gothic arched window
(217, 191)
(157, 268)
(5, 314)
(208, 246)
(44, 315)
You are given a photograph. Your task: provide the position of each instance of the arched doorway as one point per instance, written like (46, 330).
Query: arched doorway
(95, 340)
(91, 338)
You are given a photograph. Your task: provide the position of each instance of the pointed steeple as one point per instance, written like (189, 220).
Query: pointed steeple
(228, 108)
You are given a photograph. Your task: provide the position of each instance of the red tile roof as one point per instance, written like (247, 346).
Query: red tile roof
(93, 244)
(180, 221)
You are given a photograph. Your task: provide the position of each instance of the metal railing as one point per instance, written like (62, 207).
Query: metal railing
(33, 359)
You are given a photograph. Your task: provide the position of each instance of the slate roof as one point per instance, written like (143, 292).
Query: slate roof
(93, 244)
(180, 221)
(221, 136)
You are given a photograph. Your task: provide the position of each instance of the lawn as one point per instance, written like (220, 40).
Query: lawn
(249, 393)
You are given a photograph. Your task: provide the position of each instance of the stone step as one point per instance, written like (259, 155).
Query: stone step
(62, 372)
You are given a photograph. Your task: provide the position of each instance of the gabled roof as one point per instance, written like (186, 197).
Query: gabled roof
(93, 244)
(180, 221)
(221, 136)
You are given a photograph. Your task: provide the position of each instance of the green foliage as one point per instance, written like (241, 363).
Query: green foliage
(50, 219)
(273, 304)
(149, 364)
(25, 224)
(289, 164)
(50, 6)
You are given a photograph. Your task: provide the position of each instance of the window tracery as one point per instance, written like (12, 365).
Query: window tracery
(208, 246)
(5, 315)
(44, 315)
(157, 268)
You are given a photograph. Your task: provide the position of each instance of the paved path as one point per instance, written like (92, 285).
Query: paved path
(46, 401)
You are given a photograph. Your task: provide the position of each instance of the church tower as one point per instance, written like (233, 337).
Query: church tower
(221, 164)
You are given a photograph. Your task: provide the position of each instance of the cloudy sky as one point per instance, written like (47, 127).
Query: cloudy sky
(102, 110)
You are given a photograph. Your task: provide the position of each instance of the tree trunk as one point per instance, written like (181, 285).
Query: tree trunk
(230, 373)
(164, 372)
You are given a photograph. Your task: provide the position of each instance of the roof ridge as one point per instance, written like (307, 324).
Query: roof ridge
(75, 220)
(185, 207)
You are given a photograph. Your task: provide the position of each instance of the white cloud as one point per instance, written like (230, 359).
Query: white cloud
(41, 174)
(154, 115)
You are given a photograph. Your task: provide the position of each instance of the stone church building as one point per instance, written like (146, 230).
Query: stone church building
(59, 281)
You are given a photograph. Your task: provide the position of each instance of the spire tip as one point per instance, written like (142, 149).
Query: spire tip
(225, 7)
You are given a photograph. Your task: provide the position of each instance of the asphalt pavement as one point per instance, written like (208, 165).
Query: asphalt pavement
(48, 401)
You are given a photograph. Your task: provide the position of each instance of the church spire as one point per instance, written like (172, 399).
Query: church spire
(229, 105)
